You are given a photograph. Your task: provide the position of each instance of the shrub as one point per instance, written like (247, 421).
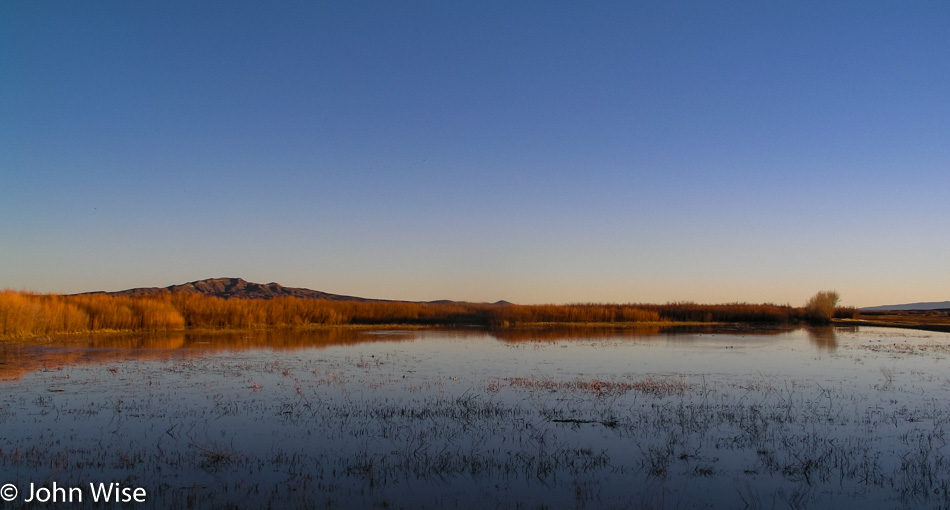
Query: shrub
(820, 308)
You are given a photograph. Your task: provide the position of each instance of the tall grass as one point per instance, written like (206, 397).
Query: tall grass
(729, 312)
(574, 313)
(25, 314)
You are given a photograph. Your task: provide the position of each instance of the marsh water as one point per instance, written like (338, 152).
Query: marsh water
(471, 418)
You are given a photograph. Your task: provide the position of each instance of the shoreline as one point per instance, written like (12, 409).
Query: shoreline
(40, 338)
(942, 328)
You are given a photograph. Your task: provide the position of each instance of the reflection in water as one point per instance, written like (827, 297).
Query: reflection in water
(510, 418)
(581, 332)
(556, 333)
(18, 359)
(823, 337)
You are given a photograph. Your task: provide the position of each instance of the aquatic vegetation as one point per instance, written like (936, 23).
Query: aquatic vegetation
(447, 419)
(599, 387)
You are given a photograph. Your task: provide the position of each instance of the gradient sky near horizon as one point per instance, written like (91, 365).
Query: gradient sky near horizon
(533, 151)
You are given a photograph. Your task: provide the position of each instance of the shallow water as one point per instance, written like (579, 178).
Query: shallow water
(524, 418)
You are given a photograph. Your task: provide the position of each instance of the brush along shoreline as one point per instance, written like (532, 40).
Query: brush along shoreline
(26, 315)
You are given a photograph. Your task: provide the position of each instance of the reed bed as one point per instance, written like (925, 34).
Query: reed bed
(26, 314)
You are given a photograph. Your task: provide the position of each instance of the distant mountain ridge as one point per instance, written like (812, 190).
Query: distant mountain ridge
(240, 288)
(931, 305)
(227, 288)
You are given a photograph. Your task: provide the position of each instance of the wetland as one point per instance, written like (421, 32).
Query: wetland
(534, 417)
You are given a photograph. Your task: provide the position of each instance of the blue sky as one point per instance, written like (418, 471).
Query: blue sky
(539, 152)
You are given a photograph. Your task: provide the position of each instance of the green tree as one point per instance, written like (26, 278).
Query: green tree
(820, 308)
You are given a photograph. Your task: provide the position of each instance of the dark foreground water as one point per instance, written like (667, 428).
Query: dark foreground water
(534, 418)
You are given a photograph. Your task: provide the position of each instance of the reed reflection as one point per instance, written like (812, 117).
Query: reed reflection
(18, 359)
(555, 333)
(558, 333)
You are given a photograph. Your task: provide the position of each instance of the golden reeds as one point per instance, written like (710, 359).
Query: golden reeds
(25, 314)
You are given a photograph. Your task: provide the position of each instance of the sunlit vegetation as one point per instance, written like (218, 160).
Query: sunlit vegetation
(821, 307)
(212, 312)
(23, 314)
(575, 313)
(26, 314)
(730, 312)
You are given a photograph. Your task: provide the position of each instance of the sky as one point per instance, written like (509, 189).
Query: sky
(532, 151)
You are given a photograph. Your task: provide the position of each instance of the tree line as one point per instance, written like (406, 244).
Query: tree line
(26, 314)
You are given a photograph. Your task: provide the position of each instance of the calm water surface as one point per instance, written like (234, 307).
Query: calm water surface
(521, 418)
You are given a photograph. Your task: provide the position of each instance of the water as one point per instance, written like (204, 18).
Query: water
(523, 418)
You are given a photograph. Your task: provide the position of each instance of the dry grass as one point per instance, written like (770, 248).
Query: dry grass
(26, 315)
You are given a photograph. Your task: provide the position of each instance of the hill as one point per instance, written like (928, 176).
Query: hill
(236, 288)
(939, 305)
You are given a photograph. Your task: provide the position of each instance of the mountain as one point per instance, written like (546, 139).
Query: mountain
(237, 288)
(940, 305)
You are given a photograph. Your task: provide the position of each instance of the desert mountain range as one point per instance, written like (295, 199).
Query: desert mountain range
(240, 288)
(939, 305)
(237, 288)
